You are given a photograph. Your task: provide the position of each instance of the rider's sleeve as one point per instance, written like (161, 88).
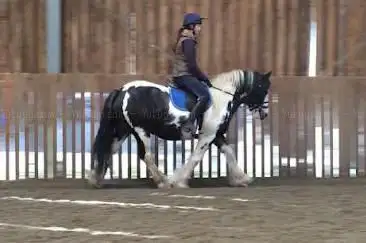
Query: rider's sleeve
(189, 50)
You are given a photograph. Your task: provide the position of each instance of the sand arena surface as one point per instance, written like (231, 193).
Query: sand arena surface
(298, 213)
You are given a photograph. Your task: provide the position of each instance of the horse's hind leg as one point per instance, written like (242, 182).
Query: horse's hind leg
(103, 150)
(117, 142)
(145, 155)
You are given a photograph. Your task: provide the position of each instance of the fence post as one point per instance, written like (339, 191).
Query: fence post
(51, 131)
(54, 45)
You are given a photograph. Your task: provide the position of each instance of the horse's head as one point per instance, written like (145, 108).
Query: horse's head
(255, 93)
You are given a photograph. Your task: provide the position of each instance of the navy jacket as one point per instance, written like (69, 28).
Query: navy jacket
(189, 50)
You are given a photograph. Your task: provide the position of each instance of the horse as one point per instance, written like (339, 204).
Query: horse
(142, 108)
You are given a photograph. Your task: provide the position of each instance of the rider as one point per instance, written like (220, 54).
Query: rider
(186, 74)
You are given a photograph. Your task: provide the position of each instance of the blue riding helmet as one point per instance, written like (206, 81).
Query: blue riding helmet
(192, 18)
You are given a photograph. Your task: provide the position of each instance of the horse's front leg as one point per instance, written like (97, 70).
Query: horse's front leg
(237, 177)
(181, 175)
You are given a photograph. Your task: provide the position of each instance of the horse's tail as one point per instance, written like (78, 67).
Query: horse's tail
(101, 150)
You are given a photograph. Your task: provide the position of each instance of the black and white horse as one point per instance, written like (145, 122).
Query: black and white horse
(143, 108)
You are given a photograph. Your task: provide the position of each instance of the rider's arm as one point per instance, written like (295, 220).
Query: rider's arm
(189, 50)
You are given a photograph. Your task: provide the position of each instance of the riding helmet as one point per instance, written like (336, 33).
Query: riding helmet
(192, 18)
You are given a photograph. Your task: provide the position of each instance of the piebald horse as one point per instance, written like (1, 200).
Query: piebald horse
(143, 108)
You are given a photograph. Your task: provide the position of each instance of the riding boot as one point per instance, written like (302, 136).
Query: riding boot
(188, 128)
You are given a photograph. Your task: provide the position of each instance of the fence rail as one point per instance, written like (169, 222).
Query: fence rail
(316, 128)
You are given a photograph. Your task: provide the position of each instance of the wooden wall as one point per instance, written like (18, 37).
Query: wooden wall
(135, 36)
(127, 36)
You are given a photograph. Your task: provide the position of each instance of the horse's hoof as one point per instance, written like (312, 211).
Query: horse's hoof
(97, 186)
(180, 184)
(238, 184)
(93, 180)
(164, 185)
(244, 182)
(162, 182)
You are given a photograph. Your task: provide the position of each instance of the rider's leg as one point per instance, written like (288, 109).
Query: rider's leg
(201, 91)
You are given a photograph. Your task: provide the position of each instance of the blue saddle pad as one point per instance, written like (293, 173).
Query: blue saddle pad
(179, 98)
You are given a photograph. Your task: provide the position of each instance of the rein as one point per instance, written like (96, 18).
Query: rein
(223, 91)
(226, 92)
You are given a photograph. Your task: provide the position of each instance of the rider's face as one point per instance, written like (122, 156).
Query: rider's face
(197, 29)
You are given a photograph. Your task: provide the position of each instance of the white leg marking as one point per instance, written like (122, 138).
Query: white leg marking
(92, 179)
(82, 230)
(237, 177)
(115, 147)
(158, 177)
(180, 177)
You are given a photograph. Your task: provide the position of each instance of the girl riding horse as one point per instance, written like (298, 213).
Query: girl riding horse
(186, 74)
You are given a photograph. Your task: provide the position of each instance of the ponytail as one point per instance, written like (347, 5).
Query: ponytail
(177, 38)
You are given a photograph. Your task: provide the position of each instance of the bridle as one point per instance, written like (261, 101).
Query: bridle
(240, 98)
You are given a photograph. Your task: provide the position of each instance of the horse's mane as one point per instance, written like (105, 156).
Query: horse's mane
(228, 81)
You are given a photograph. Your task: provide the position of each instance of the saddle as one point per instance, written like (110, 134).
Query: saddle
(182, 99)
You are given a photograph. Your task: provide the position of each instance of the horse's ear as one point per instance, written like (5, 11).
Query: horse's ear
(268, 75)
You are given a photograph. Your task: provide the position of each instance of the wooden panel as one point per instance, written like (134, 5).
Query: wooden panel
(331, 56)
(217, 36)
(84, 38)
(4, 51)
(205, 40)
(356, 47)
(303, 33)
(256, 46)
(342, 38)
(16, 35)
(22, 44)
(99, 34)
(281, 48)
(30, 44)
(270, 22)
(244, 35)
(40, 36)
(141, 18)
(250, 36)
(327, 13)
(293, 37)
